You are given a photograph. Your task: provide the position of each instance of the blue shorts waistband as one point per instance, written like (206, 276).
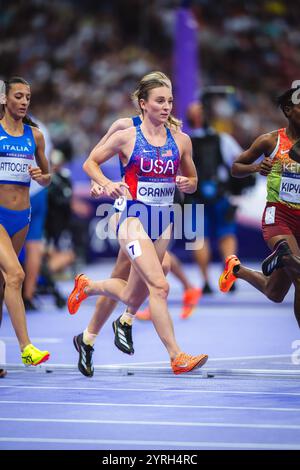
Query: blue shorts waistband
(15, 212)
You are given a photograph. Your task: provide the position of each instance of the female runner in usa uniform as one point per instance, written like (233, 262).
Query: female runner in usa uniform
(151, 155)
(85, 341)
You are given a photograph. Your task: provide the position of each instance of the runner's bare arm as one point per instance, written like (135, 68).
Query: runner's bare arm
(40, 173)
(115, 144)
(188, 180)
(245, 164)
(118, 125)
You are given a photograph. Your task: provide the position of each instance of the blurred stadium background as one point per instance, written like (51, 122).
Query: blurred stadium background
(83, 60)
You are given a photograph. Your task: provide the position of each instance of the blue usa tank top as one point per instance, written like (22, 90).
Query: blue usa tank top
(151, 171)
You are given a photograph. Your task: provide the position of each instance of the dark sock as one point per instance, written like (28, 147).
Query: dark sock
(236, 268)
(206, 289)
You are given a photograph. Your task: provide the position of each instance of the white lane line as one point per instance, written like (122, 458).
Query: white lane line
(148, 405)
(13, 340)
(154, 423)
(159, 444)
(271, 356)
(214, 359)
(152, 390)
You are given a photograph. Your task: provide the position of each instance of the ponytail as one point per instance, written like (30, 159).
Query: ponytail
(27, 120)
(174, 123)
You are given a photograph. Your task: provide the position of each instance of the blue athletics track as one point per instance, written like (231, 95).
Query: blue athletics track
(246, 397)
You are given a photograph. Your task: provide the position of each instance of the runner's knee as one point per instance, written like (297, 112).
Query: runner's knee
(15, 278)
(160, 288)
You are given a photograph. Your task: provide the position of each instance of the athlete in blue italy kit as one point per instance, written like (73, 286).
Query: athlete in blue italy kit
(20, 142)
(34, 244)
(155, 154)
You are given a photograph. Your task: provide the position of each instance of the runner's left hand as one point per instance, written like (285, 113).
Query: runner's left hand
(35, 173)
(183, 183)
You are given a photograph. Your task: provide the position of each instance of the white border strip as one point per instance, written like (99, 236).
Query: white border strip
(161, 372)
(158, 444)
(150, 405)
(154, 390)
(154, 423)
(214, 359)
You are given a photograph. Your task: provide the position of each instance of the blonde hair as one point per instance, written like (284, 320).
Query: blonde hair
(149, 82)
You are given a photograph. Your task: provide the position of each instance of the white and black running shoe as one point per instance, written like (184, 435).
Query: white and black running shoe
(274, 260)
(123, 336)
(85, 362)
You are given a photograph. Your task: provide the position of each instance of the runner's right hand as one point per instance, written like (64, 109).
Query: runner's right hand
(265, 166)
(96, 190)
(115, 190)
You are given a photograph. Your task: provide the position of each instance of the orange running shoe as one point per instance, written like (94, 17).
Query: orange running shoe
(190, 301)
(77, 295)
(227, 277)
(185, 362)
(143, 314)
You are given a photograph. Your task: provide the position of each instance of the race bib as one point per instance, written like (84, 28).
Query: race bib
(15, 169)
(270, 215)
(156, 191)
(120, 203)
(290, 188)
